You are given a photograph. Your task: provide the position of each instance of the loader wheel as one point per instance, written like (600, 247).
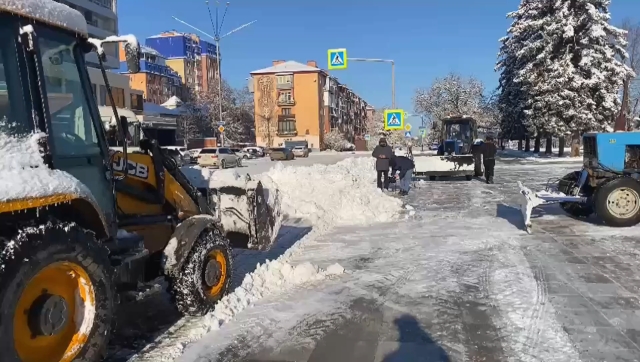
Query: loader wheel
(56, 296)
(205, 275)
(617, 202)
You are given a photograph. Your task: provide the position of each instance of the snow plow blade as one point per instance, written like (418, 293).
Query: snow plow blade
(250, 215)
(529, 200)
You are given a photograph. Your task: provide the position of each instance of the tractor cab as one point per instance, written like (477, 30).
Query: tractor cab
(457, 135)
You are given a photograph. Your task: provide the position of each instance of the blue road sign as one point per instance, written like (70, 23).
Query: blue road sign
(367, 137)
(407, 134)
(393, 119)
(337, 59)
(222, 123)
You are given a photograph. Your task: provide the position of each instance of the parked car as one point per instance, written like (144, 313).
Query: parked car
(434, 146)
(176, 155)
(300, 151)
(220, 157)
(257, 151)
(281, 154)
(194, 154)
(186, 155)
(240, 153)
(253, 152)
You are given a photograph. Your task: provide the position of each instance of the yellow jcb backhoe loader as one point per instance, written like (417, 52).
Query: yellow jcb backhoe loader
(80, 223)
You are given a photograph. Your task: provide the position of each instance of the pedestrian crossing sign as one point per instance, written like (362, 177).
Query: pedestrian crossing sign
(337, 59)
(393, 119)
(407, 134)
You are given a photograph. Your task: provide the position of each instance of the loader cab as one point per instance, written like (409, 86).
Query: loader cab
(46, 88)
(458, 134)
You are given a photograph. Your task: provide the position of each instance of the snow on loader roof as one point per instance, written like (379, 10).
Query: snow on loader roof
(47, 11)
(24, 176)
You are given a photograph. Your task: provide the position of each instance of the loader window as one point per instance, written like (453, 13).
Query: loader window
(14, 119)
(71, 122)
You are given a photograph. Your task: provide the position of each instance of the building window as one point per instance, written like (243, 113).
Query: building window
(286, 111)
(287, 126)
(136, 102)
(284, 79)
(118, 97)
(286, 96)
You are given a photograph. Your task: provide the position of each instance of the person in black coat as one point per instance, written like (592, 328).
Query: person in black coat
(404, 167)
(383, 154)
(489, 150)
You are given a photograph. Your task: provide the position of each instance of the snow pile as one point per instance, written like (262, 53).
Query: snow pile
(24, 174)
(268, 278)
(328, 196)
(333, 195)
(48, 11)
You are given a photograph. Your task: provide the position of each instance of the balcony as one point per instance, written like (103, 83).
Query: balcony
(286, 102)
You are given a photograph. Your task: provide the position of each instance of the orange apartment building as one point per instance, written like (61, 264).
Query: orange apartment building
(295, 102)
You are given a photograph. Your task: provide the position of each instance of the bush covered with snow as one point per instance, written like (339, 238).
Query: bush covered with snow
(335, 140)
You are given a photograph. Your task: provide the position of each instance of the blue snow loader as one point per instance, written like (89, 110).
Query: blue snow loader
(608, 185)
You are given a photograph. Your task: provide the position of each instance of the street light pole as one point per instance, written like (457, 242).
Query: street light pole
(393, 74)
(217, 27)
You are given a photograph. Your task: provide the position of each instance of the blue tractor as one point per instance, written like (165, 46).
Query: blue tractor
(608, 185)
(458, 151)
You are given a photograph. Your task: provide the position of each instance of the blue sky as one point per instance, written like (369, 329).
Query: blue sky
(426, 38)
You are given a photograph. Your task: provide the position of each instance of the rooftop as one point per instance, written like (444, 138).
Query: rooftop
(288, 66)
(149, 50)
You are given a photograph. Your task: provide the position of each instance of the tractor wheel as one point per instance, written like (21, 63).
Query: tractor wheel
(56, 295)
(573, 208)
(205, 275)
(617, 202)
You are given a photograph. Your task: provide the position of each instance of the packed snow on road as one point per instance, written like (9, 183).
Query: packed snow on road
(447, 272)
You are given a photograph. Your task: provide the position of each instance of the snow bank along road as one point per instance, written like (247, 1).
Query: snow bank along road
(455, 279)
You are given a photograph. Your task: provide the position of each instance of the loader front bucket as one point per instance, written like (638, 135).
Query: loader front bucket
(250, 215)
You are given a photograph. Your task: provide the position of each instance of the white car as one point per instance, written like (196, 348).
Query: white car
(194, 154)
(240, 153)
(221, 157)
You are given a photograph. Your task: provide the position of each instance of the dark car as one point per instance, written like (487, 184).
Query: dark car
(176, 155)
(281, 154)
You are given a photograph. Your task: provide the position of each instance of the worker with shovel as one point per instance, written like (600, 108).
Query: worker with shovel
(404, 167)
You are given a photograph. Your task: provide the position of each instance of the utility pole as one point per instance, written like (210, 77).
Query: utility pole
(393, 74)
(217, 27)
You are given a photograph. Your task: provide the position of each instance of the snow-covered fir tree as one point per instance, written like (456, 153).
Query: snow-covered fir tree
(512, 96)
(568, 65)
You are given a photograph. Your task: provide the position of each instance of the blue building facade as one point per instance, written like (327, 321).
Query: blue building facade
(156, 79)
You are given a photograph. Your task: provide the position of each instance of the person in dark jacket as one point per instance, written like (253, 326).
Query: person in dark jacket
(383, 154)
(403, 165)
(489, 150)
